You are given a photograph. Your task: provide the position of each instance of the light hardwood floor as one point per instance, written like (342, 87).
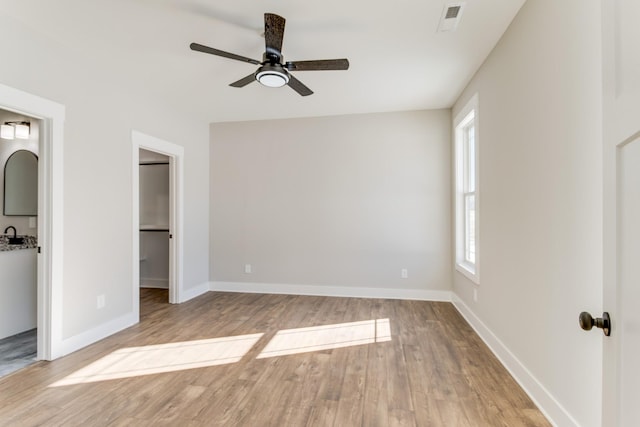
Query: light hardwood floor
(433, 371)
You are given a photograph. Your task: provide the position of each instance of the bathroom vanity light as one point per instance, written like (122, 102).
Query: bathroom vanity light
(7, 132)
(11, 130)
(22, 130)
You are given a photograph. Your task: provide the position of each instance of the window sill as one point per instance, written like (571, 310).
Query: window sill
(469, 271)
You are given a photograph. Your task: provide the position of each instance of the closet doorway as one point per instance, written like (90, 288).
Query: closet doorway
(157, 217)
(154, 220)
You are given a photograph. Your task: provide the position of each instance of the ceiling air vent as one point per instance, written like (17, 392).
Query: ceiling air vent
(450, 18)
(452, 12)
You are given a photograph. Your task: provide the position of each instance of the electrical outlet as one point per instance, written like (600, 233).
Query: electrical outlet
(404, 273)
(101, 301)
(247, 268)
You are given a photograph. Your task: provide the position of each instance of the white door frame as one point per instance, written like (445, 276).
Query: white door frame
(176, 204)
(50, 214)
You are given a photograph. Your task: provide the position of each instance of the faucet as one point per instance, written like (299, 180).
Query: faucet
(15, 233)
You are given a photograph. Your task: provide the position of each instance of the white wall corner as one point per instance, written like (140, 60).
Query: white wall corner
(331, 291)
(196, 291)
(545, 401)
(76, 342)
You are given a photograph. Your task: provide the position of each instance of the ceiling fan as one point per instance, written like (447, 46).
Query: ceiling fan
(272, 71)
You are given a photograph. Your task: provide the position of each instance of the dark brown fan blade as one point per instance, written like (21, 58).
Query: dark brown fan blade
(244, 81)
(212, 51)
(298, 86)
(321, 64)
(273, 34)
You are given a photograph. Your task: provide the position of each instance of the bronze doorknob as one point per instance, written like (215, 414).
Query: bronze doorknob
(587, 322)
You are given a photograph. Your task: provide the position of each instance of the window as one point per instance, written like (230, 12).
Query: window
(466, 184)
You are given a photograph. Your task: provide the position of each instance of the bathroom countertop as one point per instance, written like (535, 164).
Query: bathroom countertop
(30, 242)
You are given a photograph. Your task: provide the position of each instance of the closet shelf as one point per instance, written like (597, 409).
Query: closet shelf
(147, 227)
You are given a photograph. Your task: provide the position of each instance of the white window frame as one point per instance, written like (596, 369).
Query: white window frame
(467, 117)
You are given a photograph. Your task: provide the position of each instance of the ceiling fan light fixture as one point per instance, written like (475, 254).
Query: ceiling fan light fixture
(271, 76)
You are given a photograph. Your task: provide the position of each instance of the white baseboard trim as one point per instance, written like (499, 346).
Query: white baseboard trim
(91, 336)
(548, 405)
(196, 291)
(76, 342)
(331, 291)
(154, 283)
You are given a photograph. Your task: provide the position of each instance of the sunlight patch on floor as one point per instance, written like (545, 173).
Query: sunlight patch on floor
(315, 338)
(155, 359)
(178, 356)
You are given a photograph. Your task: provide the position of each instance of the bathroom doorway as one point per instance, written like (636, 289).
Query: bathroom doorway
(19, 151)
(157, 217)
(50, 224)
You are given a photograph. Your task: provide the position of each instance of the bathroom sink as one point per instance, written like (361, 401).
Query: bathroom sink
(16, 240)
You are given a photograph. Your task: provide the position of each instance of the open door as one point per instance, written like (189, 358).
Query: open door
(621, 126)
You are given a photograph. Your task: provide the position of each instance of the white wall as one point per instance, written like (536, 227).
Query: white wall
(344, 201)
(103, 105)
(540, 95)
(146, 156)
(154, 195)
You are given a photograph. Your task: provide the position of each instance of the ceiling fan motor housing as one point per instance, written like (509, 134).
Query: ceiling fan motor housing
(272, 58)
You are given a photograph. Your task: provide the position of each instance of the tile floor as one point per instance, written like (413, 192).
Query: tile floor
(17, 351)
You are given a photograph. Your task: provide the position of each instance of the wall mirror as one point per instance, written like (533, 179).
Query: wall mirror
(21, 184)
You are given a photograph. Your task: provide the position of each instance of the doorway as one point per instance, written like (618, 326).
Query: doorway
(50, 220)
(164, 209)
(19, 240)
(155, 233)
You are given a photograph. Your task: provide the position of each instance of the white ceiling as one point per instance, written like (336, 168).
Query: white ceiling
(398, 59)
